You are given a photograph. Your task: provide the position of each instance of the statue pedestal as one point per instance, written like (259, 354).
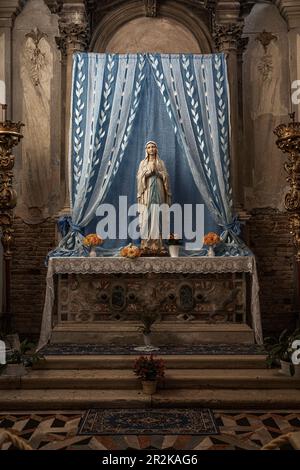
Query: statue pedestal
(197, 299)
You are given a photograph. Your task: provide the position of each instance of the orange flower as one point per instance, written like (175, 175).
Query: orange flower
(92, 240)
(211, 238)
(130, 251)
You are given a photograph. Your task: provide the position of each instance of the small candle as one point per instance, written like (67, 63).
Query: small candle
(2, 92)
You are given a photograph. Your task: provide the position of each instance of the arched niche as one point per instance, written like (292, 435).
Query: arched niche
(176, 29)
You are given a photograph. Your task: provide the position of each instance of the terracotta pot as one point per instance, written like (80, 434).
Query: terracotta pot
(149, 386)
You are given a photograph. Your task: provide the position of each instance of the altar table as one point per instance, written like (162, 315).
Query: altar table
(184, 271)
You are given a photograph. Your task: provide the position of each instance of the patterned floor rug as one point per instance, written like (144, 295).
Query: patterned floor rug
(201, 349)
(239, 430)
(154, 421)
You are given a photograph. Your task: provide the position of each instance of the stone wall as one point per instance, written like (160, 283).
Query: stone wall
(33, 242)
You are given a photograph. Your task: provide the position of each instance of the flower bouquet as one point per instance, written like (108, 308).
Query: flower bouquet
(149, 370)
(130, 251)
(211, 239)
(91, 241)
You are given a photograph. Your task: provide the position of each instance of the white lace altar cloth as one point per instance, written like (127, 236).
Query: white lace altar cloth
(115, 265)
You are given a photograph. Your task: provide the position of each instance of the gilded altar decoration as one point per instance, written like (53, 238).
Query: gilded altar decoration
(153, 194)
(289, 142)
(10, 136)
(130, 251)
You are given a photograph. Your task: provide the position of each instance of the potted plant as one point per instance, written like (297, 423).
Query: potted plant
(149, 370)
(19, 359)
(211, 239)
(174, 243)
(280, 352)
(147, 317)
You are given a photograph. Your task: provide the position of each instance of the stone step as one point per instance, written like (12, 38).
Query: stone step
(171, 361)
(165, 332)
(174, 379)
(65, 399)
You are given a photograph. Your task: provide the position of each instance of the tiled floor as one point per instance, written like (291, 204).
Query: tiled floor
(238, 430)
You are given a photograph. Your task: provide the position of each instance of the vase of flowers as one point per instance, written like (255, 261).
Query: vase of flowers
(174, 243)
(211, 239)
(130, 251)
(149, 370)
(91, 241)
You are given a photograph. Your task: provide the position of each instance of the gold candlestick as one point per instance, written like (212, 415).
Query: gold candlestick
(289, 142)
(10, 135)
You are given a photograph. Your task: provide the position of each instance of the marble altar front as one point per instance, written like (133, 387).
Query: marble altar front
(101, 299)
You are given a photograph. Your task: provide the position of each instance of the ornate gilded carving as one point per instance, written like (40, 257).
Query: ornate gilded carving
(74, 32)
(10, 135)
(34, 55)
(150, 7)
(265, 39)
(289, 142)
(227, 35)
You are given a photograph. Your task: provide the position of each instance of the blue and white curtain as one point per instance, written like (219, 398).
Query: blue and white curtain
(107, 95)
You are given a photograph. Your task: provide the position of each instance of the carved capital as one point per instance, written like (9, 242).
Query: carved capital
(228, 36)
(74, 31)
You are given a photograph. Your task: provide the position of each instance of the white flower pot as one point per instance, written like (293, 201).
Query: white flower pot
(211, 252)
(174, 251)
(93, 253)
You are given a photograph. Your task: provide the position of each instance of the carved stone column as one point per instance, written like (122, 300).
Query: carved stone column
(74, 35)
(228, 39)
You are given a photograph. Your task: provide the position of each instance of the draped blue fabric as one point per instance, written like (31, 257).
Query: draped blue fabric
(119, 102)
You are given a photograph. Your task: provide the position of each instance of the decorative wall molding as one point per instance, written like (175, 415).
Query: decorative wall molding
(36, 58)
(290, 10)
(9, 10)
(265, 38)
(107, 20)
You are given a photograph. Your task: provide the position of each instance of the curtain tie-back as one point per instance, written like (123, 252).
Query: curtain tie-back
(63, 224)
(76, 228)
(234, 226)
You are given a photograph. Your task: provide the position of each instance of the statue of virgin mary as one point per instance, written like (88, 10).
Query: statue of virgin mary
(153, 189)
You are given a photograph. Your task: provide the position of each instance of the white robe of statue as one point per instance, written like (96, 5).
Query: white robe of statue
(153, 189)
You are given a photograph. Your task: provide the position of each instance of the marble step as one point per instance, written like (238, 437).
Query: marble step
(172, 362)
(174, 379)
(65, 399)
